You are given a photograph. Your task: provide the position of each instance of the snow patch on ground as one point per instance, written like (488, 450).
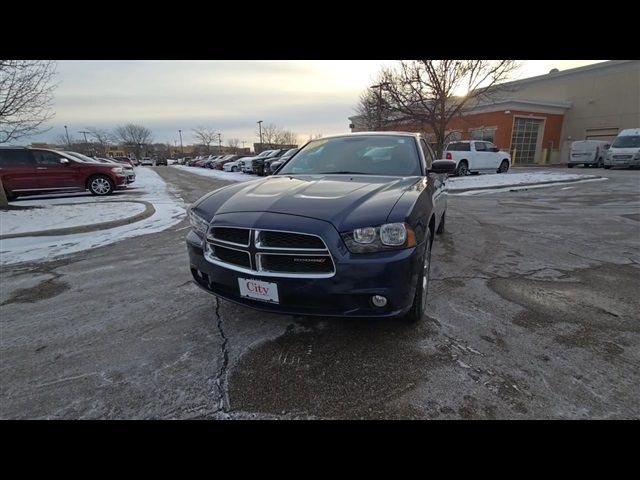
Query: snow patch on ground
(65, 216)
(148, 186)
(218, 174)
(503, 179)
(523, 187)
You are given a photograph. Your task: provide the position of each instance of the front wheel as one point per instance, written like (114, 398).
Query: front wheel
(504, 167)
(570, 165)
(419, 305)
(100, 185)
(234, 169)
(607, 167)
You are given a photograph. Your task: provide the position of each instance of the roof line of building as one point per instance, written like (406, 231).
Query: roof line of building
(570, 71)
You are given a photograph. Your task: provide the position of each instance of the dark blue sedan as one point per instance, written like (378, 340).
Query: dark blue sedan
(345, 228)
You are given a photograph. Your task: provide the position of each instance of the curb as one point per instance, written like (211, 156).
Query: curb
(518, 185)
(148, 211)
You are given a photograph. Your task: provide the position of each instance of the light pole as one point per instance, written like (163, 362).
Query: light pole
(379, 87)
(86, 143)
(219, 143)
(260, 127)
(67, 133)
(181, 147)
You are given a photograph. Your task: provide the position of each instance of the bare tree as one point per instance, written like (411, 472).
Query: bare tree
(270, 133)
(134, 136)
(26, 97)
(433, 92)
(233, 144)
(207, 136)
(287, 137)
(372, 114)
(102, 139)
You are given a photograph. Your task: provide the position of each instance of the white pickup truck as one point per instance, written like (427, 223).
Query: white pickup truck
(477, 156)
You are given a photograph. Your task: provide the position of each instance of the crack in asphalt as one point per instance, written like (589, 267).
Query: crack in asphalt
(221, 376)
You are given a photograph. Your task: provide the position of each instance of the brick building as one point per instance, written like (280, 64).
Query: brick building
(539, 117)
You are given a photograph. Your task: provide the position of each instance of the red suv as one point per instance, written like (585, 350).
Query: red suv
(29, 171)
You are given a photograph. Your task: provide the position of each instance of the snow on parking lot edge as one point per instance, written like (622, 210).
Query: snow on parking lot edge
(149, 187)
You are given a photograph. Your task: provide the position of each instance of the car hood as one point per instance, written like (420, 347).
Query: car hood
(346, 201)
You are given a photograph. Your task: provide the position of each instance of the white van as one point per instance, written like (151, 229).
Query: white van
(625, 150)
(588, 152)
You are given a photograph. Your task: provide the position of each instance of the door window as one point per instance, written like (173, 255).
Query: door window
(481, 147)
(46, 158)
(14, 157)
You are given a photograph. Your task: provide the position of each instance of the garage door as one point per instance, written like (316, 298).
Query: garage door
(604, 134)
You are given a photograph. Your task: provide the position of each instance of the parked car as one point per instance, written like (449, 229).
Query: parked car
(271, 165)
(161, 161)
(473, 156)
(588, 153)
(218, 163)
(146, 161)
(126, 161)
(235, 165)
(337, 231)
(30, 171)
(128, 169)
(256, 164)
(624, 150)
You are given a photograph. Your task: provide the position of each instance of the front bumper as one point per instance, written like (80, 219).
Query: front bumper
(348, 292)
(623, 161)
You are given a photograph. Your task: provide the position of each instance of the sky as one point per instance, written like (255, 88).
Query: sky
(307, 97)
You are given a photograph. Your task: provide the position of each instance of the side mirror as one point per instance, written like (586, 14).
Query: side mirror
(443, 166)
(64, 161)
(495, 149)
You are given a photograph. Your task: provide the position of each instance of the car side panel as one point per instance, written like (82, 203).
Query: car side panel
(19, 176)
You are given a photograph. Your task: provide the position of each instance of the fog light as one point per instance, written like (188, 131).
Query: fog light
(379, 300)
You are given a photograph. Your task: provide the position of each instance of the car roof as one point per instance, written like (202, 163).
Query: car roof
(358, 134)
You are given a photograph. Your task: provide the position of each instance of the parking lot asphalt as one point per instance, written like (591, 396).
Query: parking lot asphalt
(532, 313)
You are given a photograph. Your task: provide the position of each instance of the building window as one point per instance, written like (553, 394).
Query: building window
(524, 139)
(486, 134)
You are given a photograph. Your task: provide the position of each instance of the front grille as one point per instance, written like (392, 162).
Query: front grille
(271, 239)
(269, 252)
(231, 256)
(296, 263)
(622, 157)
(232, 235)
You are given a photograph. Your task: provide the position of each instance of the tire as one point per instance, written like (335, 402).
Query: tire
(422, 288)
(463, 168)
(600, 163)
(234, 169)
(570, 165)
(607, 167)
(100, 185)
(504, 166)
(440, 229)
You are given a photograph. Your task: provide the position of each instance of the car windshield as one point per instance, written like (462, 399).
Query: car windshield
(393, 155)
(627, 141)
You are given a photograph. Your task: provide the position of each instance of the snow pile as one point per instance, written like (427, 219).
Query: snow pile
(148, 186)
(65, 216)
(478, 182)
(218, 174)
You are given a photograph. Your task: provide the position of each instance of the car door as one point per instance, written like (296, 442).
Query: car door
(494, 156)
(53, 174)
(17, 169)
(482, 157)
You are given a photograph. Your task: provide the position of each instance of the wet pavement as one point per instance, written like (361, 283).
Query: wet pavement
(532, 313)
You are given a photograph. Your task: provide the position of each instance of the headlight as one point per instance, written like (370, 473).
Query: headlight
(199, 224)
(117, 170)
(385, 237)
